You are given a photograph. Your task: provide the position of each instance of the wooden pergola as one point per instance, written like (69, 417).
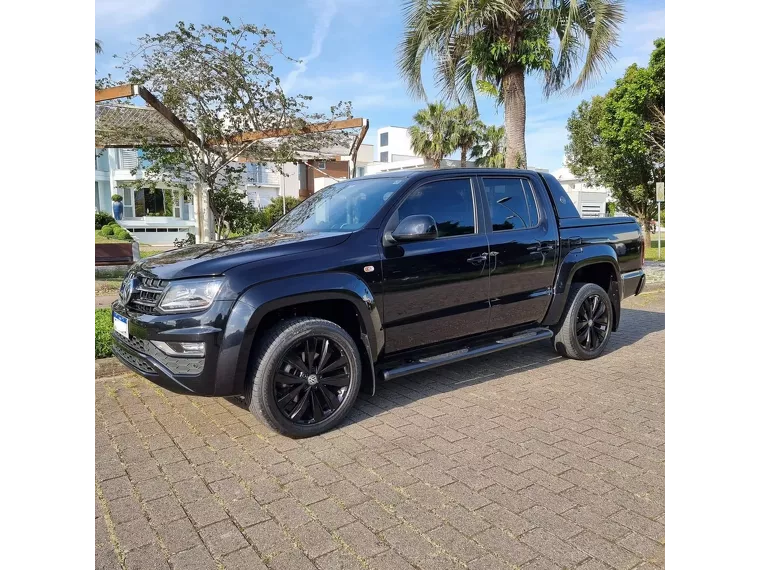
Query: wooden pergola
(127, 126)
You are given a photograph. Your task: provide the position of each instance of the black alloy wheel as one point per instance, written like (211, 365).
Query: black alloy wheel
(312, 380)
(592, 324)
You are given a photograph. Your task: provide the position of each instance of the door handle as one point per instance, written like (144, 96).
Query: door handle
(541, 248)
(478, 259)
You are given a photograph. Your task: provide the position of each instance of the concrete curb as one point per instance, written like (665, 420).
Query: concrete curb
(108, 367)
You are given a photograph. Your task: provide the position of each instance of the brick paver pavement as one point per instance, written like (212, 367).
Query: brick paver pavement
(521, 459)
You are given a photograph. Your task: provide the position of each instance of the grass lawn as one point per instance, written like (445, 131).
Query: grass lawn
(107, 239)
(103, 327)
(650, 254)
(107, 286)
(149, 252)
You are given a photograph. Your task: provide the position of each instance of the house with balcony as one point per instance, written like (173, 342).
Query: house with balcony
(158, 216)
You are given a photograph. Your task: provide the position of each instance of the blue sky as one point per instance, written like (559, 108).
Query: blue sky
(349, 53)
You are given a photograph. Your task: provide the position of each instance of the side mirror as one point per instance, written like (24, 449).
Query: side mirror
(419, 227)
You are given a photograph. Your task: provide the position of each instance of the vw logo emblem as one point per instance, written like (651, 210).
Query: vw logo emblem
(127, 288)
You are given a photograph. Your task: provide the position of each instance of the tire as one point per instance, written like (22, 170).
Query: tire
(566, 338)
(324, 404)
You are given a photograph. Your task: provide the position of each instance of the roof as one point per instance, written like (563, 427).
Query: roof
(426, 171)
(129, 126)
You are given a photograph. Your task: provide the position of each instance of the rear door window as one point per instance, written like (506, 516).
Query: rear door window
(511, 203)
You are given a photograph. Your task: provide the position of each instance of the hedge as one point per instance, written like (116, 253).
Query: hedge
(103, 328)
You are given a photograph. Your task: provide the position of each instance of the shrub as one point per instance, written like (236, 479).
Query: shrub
(107, 231)
(122, 234)
(103, 328)
(274, 209)
(103, 219)
(117, 197)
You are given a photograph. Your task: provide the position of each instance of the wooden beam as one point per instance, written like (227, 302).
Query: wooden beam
(306, 129)
(151, 100)
(118, 92)
(357, 145)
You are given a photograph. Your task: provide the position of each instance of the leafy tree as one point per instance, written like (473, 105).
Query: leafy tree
(220, 81)
(466, 130)
(489, 152)
(432, 134)
(615, 142)
(98, 46)
(493, 44)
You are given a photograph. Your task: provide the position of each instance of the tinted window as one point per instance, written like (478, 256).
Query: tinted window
(383, 139)
(383, 157)
(511, 202)
(342, 207)
(448, 201)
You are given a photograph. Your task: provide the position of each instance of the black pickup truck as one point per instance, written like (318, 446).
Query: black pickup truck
(374, 278)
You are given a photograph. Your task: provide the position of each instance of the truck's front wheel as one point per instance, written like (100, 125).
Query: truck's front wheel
(586, 325)
(306, 377)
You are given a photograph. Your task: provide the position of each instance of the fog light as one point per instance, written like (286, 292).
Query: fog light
(181, 348)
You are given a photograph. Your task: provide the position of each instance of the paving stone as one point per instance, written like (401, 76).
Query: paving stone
(504, 546)
(268, 538)
(134, 534)
(197, 558)
(362, 540)
(339, 560)
(164, 510)
(146, 558)
(244, 559)
(606, 551)
(331, 514)
(520, 458)
(374, 516)
(316, 541)
(191, 490)
(179, 535)
(222, 538)
(205, 512)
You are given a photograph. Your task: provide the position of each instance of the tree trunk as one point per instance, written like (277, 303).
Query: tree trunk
(463, 160)
(436, 163)
(644, 223)
(513, 90)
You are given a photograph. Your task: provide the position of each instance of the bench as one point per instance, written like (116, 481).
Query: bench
(115, 254)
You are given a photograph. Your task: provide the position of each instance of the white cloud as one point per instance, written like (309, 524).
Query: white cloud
(327, 12)
(115, 13)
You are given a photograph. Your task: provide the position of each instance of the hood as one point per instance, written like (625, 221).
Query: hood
(217, 257)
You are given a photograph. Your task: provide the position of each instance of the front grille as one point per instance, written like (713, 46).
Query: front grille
(176, 364)
(146, 294)
(138, 363)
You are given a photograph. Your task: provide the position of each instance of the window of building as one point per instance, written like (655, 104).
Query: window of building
(384, 156)
(511, 202)
(383, 139)
(321, 165)
(449, 202)
(360, 171)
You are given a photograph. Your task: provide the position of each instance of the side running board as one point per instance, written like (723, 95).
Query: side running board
(429, 362)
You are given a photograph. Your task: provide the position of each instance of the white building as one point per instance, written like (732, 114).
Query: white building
(395, 152)
(160, 216)
(590, 201)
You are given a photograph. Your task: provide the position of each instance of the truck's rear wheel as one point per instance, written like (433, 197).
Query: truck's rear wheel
(306, 377)
(586, 325)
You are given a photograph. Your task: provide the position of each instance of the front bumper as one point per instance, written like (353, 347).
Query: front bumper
(185, 375)
(633, 282)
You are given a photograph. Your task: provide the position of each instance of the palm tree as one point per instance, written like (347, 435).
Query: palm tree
(98, 46)
(494, 43)
(431, 136)
(466, 129)
(489, 152)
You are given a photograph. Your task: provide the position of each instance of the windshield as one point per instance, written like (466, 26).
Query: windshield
(342, 207)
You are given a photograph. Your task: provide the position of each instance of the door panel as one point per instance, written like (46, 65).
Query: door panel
(523, 246)
(437, 290)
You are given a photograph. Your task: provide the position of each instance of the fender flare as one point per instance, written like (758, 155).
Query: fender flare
(261, 299)
(578, 258)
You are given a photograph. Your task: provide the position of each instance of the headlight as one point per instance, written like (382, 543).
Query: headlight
(190, 295)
